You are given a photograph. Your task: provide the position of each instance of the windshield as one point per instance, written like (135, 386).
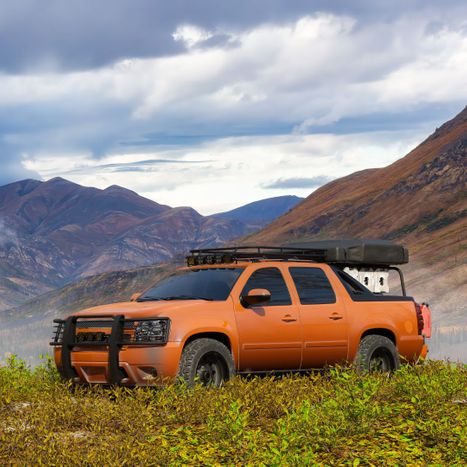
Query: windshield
(195, 284)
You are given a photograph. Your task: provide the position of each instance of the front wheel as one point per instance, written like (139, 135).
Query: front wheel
(377, 354)
(206, 361)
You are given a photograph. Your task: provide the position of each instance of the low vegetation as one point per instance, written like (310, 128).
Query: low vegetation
(416, 416)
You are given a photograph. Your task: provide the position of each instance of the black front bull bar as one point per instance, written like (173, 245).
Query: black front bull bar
(65, 336)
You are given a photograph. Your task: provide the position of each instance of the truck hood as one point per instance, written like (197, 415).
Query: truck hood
(148, 309)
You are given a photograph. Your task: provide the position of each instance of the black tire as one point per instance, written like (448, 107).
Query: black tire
(377, 353)
(206, 361)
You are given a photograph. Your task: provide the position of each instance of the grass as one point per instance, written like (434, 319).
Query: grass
(416, 416)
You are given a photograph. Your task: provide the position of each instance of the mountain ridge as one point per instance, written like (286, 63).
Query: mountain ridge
(261, 211)
(57, 231)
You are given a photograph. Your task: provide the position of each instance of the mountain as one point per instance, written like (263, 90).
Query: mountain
(34, 318)
(55, 232)
(261, 212)
(419, 201)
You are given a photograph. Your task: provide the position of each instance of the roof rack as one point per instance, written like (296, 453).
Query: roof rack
(250, 253)
(344, 252)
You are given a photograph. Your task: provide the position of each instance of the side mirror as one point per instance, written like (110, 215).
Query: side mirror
(255, 297)
(135, 296)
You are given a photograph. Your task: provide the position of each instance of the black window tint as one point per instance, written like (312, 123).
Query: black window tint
(270, 279)
(313, 286)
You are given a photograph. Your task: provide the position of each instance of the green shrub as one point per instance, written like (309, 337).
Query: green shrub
(415, 416)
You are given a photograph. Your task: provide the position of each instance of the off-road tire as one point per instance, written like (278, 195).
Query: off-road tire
(374, 351)
(203, 350)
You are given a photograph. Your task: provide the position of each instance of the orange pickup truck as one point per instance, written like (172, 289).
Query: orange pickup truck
(250, 309)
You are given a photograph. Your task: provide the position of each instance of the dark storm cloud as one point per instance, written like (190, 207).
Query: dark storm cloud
(85, 34)
(311, 182)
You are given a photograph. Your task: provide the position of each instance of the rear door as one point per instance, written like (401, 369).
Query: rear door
(322, 316)
(269, 334)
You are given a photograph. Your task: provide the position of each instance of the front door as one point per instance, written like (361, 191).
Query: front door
(323, 318)
(269, 334)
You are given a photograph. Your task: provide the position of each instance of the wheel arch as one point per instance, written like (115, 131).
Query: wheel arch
(216, 335)
(380, 332)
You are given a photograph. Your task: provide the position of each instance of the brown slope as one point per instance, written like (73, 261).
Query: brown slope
(376, 201)
(419, 200)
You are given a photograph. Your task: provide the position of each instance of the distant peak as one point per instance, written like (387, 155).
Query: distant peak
(116, 188)
(23, 187)
(25, 181)
(119, 189)
(59, 180)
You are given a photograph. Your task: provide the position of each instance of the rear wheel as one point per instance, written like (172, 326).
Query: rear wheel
(206, 361)
(377, 354)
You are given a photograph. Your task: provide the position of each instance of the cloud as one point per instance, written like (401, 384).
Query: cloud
(300, 182)
(233, 171)
(172, 80)
(12, 168)
(301, 75)
(137, 166)
(83, 34)
(191, 35)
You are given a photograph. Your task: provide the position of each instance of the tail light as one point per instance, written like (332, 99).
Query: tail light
(426, 315)
(418, 310)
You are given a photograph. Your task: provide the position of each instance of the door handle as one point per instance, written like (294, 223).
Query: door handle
(335, 317)
(288, 319)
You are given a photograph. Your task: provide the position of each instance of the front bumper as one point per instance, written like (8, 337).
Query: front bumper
(115, 361)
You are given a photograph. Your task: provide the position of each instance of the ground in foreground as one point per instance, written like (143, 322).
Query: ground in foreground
(416, 416)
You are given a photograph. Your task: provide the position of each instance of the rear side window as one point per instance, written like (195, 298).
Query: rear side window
(272, 280)
(313, 286)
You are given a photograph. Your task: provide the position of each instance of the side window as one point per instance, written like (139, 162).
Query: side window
(313, 286)
(272, 280)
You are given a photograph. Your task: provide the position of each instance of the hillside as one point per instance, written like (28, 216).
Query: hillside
(56, 232)
(34, 318)
(419, 201)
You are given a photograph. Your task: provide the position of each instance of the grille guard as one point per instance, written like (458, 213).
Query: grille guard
(66, 329)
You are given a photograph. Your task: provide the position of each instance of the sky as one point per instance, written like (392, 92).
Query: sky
(214, 104)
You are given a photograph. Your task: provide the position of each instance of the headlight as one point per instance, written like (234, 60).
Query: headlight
(152, 331)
